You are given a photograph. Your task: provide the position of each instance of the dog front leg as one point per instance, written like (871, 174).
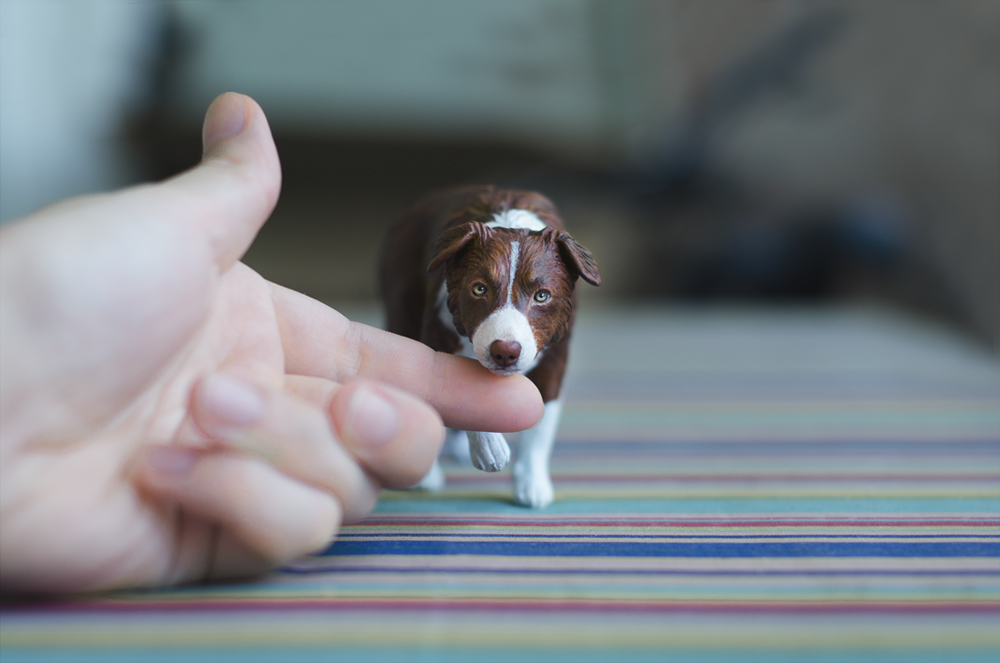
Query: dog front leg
(489, 451)
(532, 483)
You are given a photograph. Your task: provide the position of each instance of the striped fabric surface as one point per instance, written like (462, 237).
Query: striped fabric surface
(747, 486)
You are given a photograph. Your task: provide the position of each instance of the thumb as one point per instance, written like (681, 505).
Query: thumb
(234, 189)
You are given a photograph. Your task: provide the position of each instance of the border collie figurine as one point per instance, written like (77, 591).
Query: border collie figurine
(490, 273)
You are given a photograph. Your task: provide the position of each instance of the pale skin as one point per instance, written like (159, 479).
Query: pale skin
(169, 416)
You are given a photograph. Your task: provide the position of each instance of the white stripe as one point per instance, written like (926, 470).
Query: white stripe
(515, 253)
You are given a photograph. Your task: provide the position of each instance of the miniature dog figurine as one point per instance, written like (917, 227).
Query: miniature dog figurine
(490, 273)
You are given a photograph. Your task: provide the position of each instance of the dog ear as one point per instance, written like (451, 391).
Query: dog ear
(453, 240)
(579, 260)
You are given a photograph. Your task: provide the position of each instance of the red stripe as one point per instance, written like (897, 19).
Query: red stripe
(631, 522)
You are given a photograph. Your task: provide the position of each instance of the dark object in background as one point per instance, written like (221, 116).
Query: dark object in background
(707, 237)
(804, 257)
(679, 166)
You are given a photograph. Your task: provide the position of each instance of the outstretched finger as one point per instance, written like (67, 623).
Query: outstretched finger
(318, 341)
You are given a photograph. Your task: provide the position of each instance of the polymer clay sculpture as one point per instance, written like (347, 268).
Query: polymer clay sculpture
(490, 273)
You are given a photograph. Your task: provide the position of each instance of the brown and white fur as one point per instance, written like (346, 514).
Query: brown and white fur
(490, 273)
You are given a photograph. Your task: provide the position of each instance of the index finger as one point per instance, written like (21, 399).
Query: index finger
(320, 342)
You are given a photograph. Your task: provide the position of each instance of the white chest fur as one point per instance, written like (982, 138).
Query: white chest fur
(444, 315)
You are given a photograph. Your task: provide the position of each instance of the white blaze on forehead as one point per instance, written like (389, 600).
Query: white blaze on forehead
(516, 219)
(515, 253)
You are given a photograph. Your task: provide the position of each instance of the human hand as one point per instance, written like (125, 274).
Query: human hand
(167, 415)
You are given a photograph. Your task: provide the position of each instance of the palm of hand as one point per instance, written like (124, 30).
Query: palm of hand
(146, 350)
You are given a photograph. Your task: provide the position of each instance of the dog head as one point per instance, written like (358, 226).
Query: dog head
(510, 284)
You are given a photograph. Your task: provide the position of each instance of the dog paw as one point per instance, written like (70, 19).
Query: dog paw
(433, 481)
(489, 451)
(532, 489)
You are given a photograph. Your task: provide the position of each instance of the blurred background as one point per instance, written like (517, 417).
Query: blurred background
(750, 151)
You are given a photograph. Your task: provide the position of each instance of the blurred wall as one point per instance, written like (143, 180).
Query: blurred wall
(553, 73)
(70, 74)
(779, 105)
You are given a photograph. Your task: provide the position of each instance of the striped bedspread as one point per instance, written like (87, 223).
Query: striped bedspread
(731, 486)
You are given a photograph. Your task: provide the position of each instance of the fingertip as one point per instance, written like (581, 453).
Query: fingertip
(488, 402)
(395, 435)
(372, 417)
(232, 192)
(236, 130)
(377, 414)
(221, 403)
(227, 116)
(527, 407)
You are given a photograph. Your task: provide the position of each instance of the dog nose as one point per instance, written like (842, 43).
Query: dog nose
(505, 353)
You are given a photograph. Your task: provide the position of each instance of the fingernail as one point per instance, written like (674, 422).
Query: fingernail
(231, 402)
(372, 419)
(171, 460)
(225, 117)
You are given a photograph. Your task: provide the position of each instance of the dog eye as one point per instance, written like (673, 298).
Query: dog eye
(479, 290)
(542, 296)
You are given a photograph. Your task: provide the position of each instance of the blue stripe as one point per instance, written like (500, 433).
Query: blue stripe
(387, 531)
(492, 503)
(667, 549)
(342, 568)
